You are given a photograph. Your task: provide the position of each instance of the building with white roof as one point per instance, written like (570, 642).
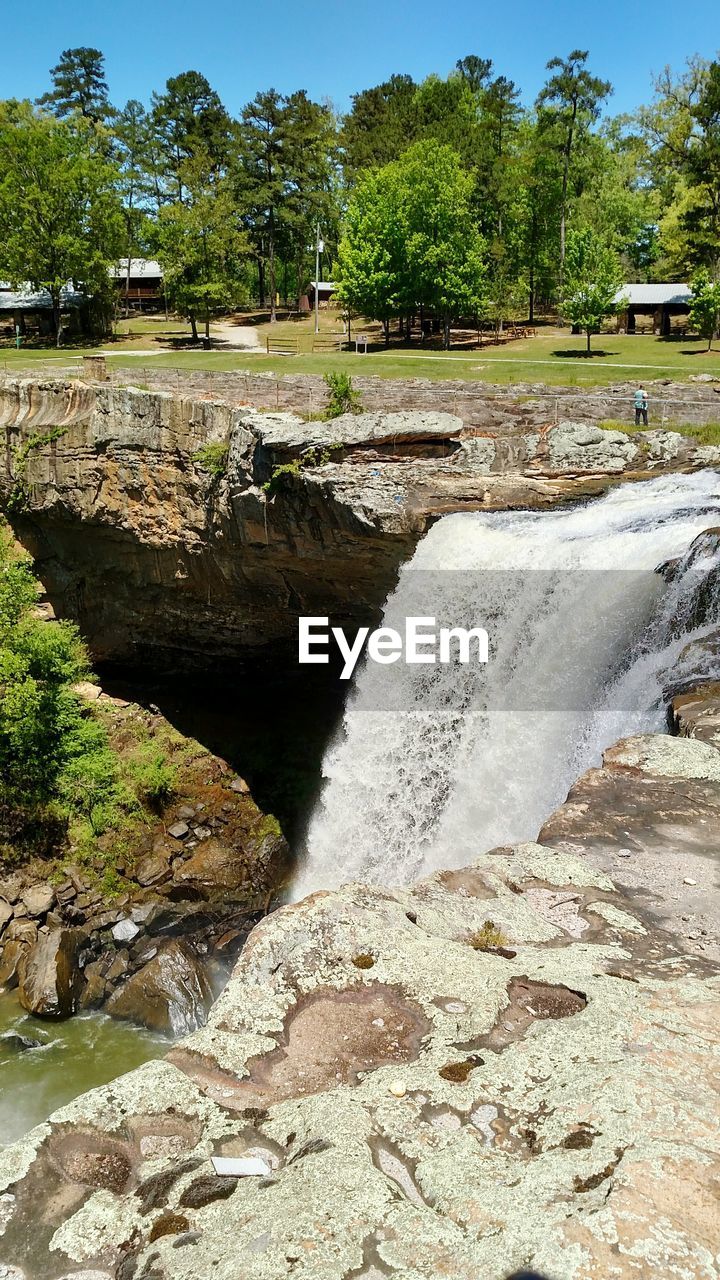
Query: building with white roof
(662, 302)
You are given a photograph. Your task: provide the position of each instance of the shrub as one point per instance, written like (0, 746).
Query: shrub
(343, 397)
(153, 777)
(487, 938)
(214, 458)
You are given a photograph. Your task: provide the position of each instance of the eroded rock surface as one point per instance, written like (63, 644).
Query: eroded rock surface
(200, 868)
(650, 816)
(177, 557)
(422, 1107)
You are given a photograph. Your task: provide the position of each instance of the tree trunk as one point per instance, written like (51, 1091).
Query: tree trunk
(206, 340)
(261, 281)
(272, 283)
(127, 282)
(57, 316)
(193, 326)
(565, 181)
(386, 328)
(446, 333)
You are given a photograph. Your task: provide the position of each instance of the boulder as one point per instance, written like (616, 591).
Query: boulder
(11, 955)
(5, 913)
(170, 994)
(152, 869)
(215, 867)
(49, 977)
(21, 931)
(579, 447)
(39, 899)
(125, 931)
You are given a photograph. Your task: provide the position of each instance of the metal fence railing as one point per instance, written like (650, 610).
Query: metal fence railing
(306, 393)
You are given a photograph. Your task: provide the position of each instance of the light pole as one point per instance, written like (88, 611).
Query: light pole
(319, 246)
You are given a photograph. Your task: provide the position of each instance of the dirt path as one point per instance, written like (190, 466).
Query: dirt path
(237, 337)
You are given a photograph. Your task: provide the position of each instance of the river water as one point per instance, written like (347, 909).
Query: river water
(72, 1056)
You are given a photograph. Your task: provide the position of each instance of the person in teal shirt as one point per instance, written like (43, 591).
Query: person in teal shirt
(641, 407)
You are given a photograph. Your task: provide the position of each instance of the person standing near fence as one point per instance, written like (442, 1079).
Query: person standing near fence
(641, 407)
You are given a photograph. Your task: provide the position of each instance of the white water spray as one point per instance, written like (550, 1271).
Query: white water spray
(434, 765)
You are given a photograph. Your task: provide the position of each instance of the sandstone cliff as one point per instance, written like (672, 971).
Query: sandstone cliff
(151, 523)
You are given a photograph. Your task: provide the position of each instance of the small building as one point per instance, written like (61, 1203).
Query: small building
(141, 287)
(324, 289)
(27, 310)
(660, 304)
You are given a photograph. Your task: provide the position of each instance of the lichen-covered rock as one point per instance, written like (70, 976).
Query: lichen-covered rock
(651, 818)
(574, 446)
(426, 1108)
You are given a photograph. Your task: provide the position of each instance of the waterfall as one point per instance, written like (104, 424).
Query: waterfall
(433, 765)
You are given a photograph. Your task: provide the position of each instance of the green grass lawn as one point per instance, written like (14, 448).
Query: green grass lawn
(554, 358)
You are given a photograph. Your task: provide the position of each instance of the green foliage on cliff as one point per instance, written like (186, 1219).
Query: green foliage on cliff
(213, 458)
(60, 779)
(41, 726)
(343, 397)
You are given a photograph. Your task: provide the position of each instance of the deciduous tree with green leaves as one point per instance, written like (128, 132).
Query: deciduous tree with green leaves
(60, 210)
(410, 240)
(591, 281)
(202, 246)
(705, 305)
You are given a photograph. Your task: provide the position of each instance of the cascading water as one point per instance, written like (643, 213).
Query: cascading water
(435, 764)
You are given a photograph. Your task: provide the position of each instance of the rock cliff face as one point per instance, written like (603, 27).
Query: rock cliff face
(505, 1067)
(186, 884)
(150, 524)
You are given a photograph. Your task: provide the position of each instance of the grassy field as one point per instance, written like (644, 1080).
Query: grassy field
(553, 357)
(708, 433)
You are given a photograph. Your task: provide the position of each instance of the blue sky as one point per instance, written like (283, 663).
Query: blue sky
(335, 48)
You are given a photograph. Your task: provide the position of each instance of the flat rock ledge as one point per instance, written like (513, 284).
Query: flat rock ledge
(504, 1068)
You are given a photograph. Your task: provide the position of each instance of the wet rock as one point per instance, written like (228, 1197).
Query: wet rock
(170, 994)
(696, 714)
(21, 930)
(11, 1043)
(119, 967)
(10, 958)
(95, 989)
(49, 978)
